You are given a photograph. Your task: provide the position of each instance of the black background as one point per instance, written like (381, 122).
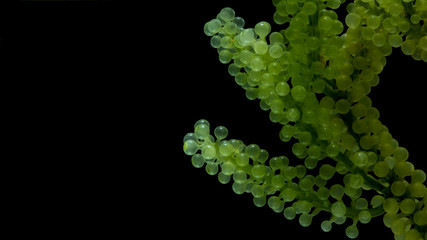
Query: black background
(202, 88)
(58, 61)
(57, 65)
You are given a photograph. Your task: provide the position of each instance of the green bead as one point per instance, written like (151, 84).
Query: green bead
(289, 213)
(400, 154)
(400, 225)
(278, 181)
(227, 14)
(211, 168)
(389, 218)
(263, 156)
(343, 82)
(317, 67)
(309, 8)
(239, 188)
(208, 151)
(214, 26)
(240, 22)
(190, 147)
(225, 148)
(356, 181)
(417, 190)
(197, 160)
(262, 29)
(423, 43)
(408, 47)
(253, 151)
(223, 178)
(373, 22)
(367, 33)
(332, 150)
(403, 169)
(299, 149)
(202, 121)
(275, 38)
(313, 43)
(340, 220)
(225, 56)
(239, 176)
(190, 136)
(377, 201)
(274, 202)
(298, 93)
(293, 114)
(379, 39)
(352, 20)
(341, 168)
(305, 137)
(247, 37)
(412, 234)
(326, 226)
(310, 163)
(334, 4)
(228, 168)
(398, 188)
(306, 184)
(314, 151)
(338, 209)
(322, 193)
(391, 162)
(279, 162)
(360, 159)
(287, 131)
(257, 64)
(216, 41)
(226, 42)
(305, 219)
(303, 206)
(326, 171)
(260, 201)
(258, 171)
(352, 231)
(230, 28)
(220, 132)
(337, 191)
(395, 40)
(318, 86)
(418, 176)
(342, 106)
(275, 51)
(290, 172)
(415, 18)
(407, 206)
(260, 47)
(202, 131)
(242, 159)
(381, 169)
(420, 217)
(361, 203)
(257, 191)
(364, 216)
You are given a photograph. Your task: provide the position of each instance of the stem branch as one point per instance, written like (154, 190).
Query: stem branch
(369, 181)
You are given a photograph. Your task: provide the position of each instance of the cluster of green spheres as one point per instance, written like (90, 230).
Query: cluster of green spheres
(314, 77)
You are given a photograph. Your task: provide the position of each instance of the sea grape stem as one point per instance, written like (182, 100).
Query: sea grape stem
(369, 181)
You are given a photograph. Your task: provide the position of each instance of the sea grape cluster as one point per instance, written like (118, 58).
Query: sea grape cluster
(314, 78)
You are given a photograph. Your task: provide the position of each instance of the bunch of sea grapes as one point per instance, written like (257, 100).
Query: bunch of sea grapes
(314, 79)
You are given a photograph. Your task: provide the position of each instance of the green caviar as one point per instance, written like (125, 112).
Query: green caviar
(314, 77)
